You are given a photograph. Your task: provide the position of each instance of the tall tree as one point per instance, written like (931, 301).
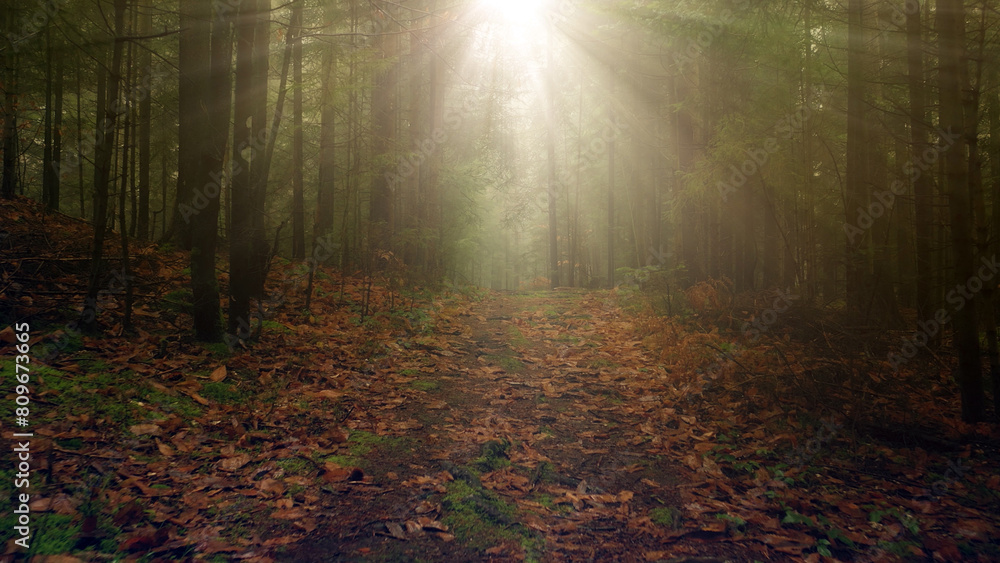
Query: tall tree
(215, 89)
(109, 109)
(145, 125)
(246, 249)
(298, 195)
(9, 174)
(855, 197)
(951, 83)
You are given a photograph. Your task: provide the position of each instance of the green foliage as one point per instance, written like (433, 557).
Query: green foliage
(424, 385)
(275, 327)
(481, 519)
(180, 301)
(219, 350)
(667, 516)
(225, 393)
(508, 362)
(494, 456)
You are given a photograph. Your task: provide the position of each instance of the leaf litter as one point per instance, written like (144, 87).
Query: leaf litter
(507, 426)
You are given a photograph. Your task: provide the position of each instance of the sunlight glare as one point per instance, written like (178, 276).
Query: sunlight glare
(512, 11)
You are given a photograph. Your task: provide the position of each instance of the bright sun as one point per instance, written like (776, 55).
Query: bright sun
(513, 11)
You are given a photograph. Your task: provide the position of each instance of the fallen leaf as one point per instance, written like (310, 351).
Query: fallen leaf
(146, 429)
(289, 513)
(396, 530)
(166, 450)
(218, 374)
(233, 463)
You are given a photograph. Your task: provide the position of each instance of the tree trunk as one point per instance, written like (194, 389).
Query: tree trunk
(550, 149)
(53, 164)
(951, 38)
(145, 128)
(298, 198)
(245, 130)
(325, 190)
(923, 191)
(48, 172)
(216, 86)
(109, 106)
(9, 178)
(993, 113)
(384, 115)
(856, 172)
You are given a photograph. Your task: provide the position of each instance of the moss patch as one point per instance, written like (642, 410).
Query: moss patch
(509, 363)
(424, 385)
(481, 519)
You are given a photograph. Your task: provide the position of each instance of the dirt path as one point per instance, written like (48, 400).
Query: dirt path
(527, 430)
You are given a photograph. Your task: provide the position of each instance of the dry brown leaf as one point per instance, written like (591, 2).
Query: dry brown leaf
(234, 463)
(289, 513)
(272, 486)
(166, 450)
(218, 374)
(146, 429)
(307, 524)
(395, 530)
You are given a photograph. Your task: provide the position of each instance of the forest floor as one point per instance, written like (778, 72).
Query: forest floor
(467, 425)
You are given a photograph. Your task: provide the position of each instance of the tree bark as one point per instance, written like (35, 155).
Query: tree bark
(9, 178)
(298, 198)
(145, 128)
(923, 191)
(951, 48)
(110, 108)
(217, 93)
(856, 172)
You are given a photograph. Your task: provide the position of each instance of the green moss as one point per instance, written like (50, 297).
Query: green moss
(494, 456)
(98, 392)
(361, 443)
(424, 385)
(481, 519)
(225, 393)
(295, 465)
(343, 460)
(180, 405)
(516, 337)
(180, 301)
(667, 516)
(276, 327)
(509, 364)
(219, 350)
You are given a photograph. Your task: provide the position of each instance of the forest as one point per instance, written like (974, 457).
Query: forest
(500, 280)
